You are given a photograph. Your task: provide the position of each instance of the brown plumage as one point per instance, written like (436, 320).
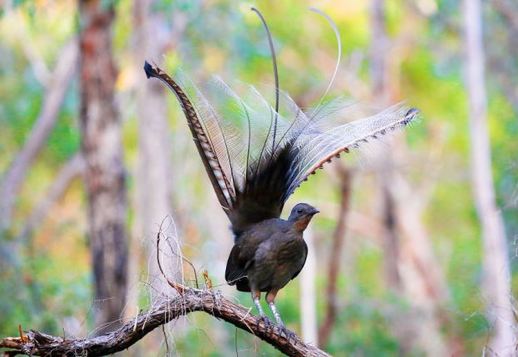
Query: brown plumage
(258, 260)
(258, 158)
(269, 254)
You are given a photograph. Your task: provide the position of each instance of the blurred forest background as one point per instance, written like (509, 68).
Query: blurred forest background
(414, 251)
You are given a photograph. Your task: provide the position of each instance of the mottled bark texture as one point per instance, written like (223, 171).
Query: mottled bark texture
(104, 171)
(35, 343)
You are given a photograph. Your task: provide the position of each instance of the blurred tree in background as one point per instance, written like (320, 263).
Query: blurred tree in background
(410, 263)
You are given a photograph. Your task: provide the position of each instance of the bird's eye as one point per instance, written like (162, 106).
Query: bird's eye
(299, 210)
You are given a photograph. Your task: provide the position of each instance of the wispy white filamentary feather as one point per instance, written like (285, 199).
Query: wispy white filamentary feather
(256, 154)
(240, 129)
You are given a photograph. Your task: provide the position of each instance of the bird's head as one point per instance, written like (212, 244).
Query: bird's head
(301, 214)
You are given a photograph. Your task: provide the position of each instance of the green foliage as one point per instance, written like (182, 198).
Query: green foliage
(36, 292)
(361, 330)
(47, 280)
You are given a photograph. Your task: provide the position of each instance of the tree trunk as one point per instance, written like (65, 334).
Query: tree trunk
(419, 328)
(378, 69)
(345, 177)
(153, 178)
(104, 171)
(496, 271)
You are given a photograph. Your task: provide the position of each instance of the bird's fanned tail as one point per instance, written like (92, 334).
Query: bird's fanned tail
(253, 176)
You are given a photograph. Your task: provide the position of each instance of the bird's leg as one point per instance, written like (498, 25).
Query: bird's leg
(276, 315)
(256, 296)
(270, 298)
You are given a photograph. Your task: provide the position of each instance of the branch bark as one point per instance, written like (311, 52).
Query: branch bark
(190, 300)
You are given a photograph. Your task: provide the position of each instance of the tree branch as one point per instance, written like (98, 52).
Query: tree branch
(54, 95)
(189, 300)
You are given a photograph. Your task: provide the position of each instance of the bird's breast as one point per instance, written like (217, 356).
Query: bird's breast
(292, 250)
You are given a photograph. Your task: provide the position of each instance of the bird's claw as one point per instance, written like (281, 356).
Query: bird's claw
(266, 321)
(290, 335)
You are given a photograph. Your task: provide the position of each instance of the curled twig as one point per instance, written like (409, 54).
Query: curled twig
(181, 256)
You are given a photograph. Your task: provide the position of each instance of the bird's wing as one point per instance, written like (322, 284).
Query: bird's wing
(245, 250)
(305, 258)
(235, 269)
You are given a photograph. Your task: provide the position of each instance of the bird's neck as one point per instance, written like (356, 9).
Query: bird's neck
(301, 224)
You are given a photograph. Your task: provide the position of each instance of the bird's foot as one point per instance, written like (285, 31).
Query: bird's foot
(216, 298)
(266, 321)
(284, 331)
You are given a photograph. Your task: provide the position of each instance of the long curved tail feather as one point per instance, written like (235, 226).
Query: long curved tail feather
(253, 179)
(206, 150)
(256, 155)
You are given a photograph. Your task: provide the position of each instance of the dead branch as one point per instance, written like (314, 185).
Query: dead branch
(187, 300)
(209, 301)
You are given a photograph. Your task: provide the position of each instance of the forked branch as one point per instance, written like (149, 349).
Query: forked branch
(185, 301)
(209, 301)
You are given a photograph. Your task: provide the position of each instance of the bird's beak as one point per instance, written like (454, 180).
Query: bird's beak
(315, 211)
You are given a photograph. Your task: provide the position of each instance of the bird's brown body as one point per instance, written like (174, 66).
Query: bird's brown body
(267, 256)
(256, 161)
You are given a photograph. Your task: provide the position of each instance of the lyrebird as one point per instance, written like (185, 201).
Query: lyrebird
(256, 155)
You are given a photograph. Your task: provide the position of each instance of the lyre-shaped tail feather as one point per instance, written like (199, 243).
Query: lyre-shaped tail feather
(254, 171)
(316, 149)
(224, 190)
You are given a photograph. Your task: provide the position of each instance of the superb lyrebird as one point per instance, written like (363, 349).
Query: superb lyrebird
(256, 155)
